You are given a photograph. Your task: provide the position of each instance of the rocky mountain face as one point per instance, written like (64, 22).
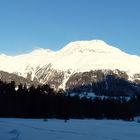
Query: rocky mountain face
(82, 66)
(9, 77)
(103, 82)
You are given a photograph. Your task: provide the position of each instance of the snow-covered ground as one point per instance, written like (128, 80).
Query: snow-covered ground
(37, 129)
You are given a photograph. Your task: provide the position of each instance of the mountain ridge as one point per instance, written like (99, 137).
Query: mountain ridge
(56, 68)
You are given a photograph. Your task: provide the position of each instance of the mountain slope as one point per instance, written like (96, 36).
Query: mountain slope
(7, 77)
(56, 68)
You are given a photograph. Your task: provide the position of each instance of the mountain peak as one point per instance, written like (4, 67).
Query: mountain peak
(96, 46)
(76, 57)
(41, 51)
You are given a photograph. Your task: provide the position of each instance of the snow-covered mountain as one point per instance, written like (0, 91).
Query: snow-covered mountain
(57, 68)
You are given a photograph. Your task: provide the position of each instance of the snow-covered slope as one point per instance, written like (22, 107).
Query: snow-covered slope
(90, 55)
(33, 129)
(26, 63)
(75, 57)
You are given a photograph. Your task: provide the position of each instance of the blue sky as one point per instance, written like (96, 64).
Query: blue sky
(30, 24)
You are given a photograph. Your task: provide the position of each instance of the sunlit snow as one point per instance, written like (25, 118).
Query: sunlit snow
(79, 56)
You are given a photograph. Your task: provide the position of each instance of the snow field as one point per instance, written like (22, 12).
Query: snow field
(52, 129)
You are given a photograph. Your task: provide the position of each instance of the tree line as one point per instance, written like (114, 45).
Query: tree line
(44, 102)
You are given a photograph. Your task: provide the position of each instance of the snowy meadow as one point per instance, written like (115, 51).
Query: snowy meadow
(53, 129)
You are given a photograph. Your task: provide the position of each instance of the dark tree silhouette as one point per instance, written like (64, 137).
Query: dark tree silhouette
(44, 102)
